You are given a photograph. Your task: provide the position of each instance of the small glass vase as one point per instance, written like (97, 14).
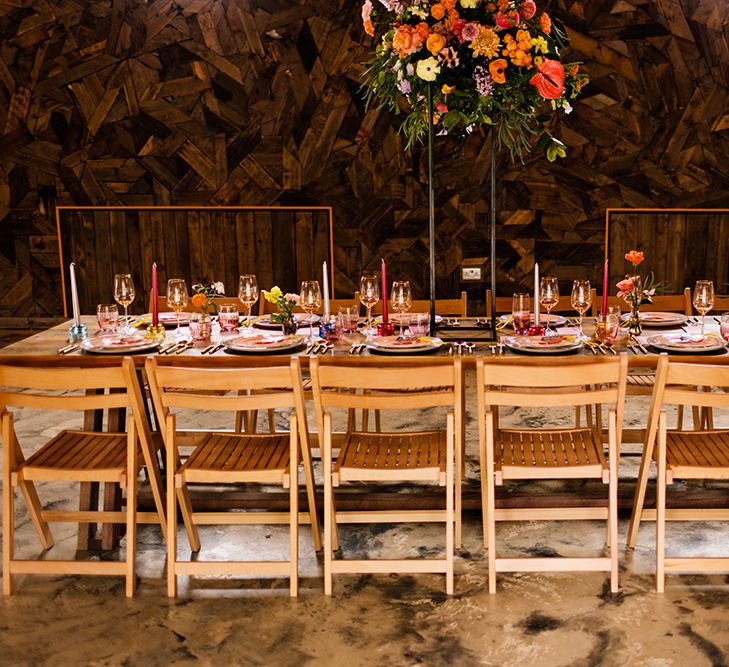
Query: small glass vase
(288, 326)
(201, 326)
(635, 328)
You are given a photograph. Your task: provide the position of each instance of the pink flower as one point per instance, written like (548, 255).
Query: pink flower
(470, 31)
(506, 20)
(527, 9)
(292, 297)
(441, 107)
(625, 287)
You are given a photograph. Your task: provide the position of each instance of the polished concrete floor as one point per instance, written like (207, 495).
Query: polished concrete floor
(548, 619)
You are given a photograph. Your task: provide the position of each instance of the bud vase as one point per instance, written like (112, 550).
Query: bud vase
(288, 326)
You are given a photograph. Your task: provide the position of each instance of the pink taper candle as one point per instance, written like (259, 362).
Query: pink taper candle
(384, 292)
(536, 294)
(155, 306)
(605, 289)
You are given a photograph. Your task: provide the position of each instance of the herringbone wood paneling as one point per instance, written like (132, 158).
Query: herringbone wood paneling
(256, 102)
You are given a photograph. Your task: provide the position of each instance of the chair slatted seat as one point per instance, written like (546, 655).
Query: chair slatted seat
(561, 454)
(376, 457)
(694, 455)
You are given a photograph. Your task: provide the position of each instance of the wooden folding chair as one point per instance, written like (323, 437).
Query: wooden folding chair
(225, 457)
(454, 307)
(503, 303)
(265, 307)
(403, 456)
(681, 454)
(74, 455)
(554, 453)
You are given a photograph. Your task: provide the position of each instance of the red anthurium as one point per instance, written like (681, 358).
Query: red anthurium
(549, 80)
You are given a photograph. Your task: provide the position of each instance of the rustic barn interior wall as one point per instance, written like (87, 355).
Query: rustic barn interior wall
(257, 102)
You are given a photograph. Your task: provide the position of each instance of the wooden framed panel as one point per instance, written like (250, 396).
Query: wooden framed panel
(682, 245)
(282, 245)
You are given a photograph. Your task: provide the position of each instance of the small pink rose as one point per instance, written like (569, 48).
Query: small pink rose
(625, 286)
(527, 9)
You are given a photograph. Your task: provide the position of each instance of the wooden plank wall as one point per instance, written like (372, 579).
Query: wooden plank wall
(280, 246)
(680, 247)
(257, 102)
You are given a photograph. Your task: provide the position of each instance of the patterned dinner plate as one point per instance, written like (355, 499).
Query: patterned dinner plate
(264, 321)
(117, 344)
(551, 319)
(169, 319)
(543, 344)
(685, 343)
(658, 319)
(264, 343)
(395, 345)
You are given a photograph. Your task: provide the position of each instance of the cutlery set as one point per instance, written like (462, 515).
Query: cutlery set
(176, 348)
(357, 348)
(212, 349)
(320, 348)
(69, 348)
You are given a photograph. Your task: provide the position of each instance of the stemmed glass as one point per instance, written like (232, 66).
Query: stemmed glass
(401, 299)
(177, 299)
(369, 295)
(124, 295)
(548, 295)
(247, 295)
(703, 299)
(581, 299)
(310, 302)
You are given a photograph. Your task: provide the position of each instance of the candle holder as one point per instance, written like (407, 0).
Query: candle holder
(77, 332)
(385, 329)
(537, 331)
(156, 331)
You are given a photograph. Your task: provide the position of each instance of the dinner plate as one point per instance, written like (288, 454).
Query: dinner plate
(543, 344)
(169, 319)
(405, 318)
(658, 319)
(684, 343)
(264, 343)
(391, 344)
(117, 344)
(264, 321)
(551, 319)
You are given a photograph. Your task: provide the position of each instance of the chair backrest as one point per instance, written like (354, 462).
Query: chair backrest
(204, 384)
(385, 385)
(265, 307)
(503, 303)
(453, 307)
(721, 304)
(550, 383)
(679, 303)
(219, 301)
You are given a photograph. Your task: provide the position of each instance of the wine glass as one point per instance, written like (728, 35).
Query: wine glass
(177, 299)
(310, 302)
(581, 299)
(520, 313)
(369, 295)
(703, 299)
(124, 295)
(548, 295)
(247, 295)
(401, 299)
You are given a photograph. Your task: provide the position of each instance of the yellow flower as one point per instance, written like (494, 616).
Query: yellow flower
(274, 295)
(538, 60)
(486, 43)
(447, 90)
(539, 44)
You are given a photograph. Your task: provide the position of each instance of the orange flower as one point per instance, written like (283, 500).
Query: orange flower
(574, 70)
(437, 11)
(626, 286)
(406, 40)
(199, 300)
(422, 30)
(497, 69)
(635, 257)
(435, 43)
(450, 5)
(369, 28)
(545, 23)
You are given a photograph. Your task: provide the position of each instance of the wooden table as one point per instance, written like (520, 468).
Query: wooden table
(46, 344)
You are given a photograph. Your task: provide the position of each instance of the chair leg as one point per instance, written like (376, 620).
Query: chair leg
(490, 504)
(8, 529)
(661, 507)
(639, 498)
(328, 505)
(484, 494)
(271, 420)
(32, 500)
(679, 418)
(131, 582)
(378, 421)
(294, 518)
(450, 515)
(193, 535)
(171, 524)
(613, 510)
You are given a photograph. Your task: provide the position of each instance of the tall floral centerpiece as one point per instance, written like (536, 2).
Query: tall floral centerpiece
(636, 291)
(455, 64)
